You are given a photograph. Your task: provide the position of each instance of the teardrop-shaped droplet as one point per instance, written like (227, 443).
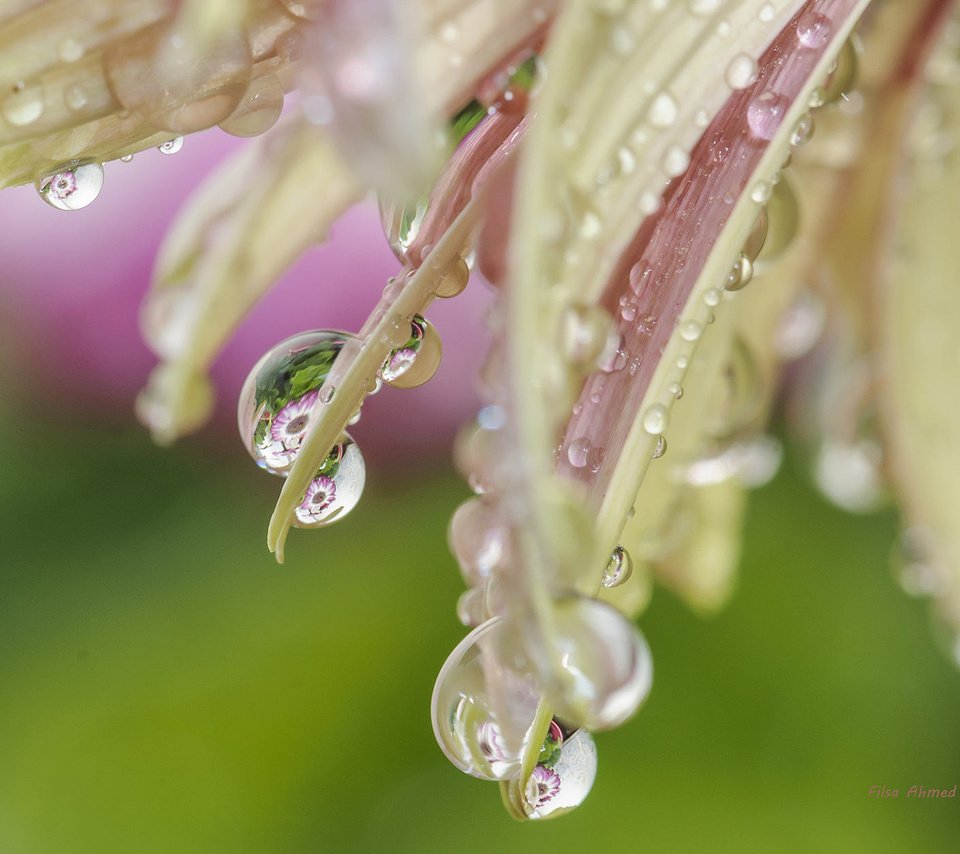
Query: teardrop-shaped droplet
(601, 668)
(336, 487)
(463, 704)
(279, 394)
(417, 360)
(454, 279)
(765, 114)
(564, 777)
(618, 569)
(72, 188)
(401, 225)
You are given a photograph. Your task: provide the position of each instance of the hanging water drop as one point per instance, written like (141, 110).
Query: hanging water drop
(171, 146)
(336, 487)
(72, 188)
(417, 360)
(277, 400)
(599, 666)
(802, 130)
(618, 569)
(564, 777)
(463, 708)
(477, 539)
(813, 30)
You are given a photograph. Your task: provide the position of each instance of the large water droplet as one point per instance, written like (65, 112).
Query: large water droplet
(73, 187)
(465, 698)
(336, 487)
(765, 114)
(618, 569)
(417, 360)
(564, 777)
(600, 669)
(279, 394)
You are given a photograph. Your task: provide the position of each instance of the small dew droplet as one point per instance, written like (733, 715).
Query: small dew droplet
(655, 419)
(618, 569)
(741, 72)
(171, 146)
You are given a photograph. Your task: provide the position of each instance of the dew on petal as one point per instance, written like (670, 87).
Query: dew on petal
(741, 72)
(765, 114)
(171, 146)
(274, 410)
(72, 188)
(416, 360)
(563, 785)
(600, 664)
(618, 569)
(336, 487)
(464, 702)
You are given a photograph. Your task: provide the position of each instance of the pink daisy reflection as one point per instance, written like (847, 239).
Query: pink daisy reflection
(543, 786)
(399, 363)
(320, 495)
(289, 425)
(490, 741)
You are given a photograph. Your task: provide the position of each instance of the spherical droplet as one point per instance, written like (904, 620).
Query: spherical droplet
(277, 399)
(582, 453)
(765, 114)
(171, 146)
(761, 192)
(454, 279)
(562, 781)
(72, 188)
(655, 419)
(417, 360)
(602, 669)
(676, 161)
(740, 274)
(336, 487)
(585, 330)
(690, 331)
(70, 50)
(618, 569)
(462, 708)
(741, 72)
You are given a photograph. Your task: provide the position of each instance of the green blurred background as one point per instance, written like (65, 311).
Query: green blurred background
(164, 687)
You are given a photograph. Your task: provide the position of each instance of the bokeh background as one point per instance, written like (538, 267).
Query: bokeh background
(165, 687)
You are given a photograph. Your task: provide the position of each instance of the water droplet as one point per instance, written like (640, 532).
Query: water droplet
(258, 110)
(711, 297)
(75, 97)
(564, 777)
(765, 114)
(126, 158)
(277, 399)
(676, 161)
(601, 669)
(766, 13)
(690, 331)
(615, 358)
(663, 111)
(336, 486)
(585, 330)
(761, 192)
(618, 569)
(327, 393)
(477, 539)
(417, 360)
(465, 704)
(660, 448)
(24, 106)
(171, 146)
(454, 279)
(817, 98)
(649, 203)
(676, 389)
(741, 72)
(740, 274)
(583, 454)
(70, 50)
(72, 188)
(813, 30)
(655, 419)
(310, 10)
(802, 130)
